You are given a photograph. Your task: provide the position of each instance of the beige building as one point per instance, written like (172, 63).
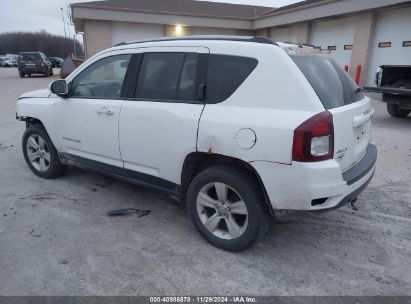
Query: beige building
(361, 35)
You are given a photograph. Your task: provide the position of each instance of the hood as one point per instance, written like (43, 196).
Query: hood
(36, 94)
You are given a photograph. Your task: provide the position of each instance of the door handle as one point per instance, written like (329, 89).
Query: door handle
(105, 111)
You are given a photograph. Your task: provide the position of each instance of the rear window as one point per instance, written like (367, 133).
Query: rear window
(29, 56)
(226, 74)
(333, 85)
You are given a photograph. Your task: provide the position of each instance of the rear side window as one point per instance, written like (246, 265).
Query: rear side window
(333, 85)
(226, 74)
(168, 76)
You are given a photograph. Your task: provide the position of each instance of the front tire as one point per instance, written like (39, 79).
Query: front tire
(40, 154)
(227, 208)
(395, 111)
(21, 74)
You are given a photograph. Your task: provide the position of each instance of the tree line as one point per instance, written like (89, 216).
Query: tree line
(51, 45)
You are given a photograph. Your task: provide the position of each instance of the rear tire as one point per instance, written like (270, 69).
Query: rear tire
(40, 154)
(232, 225)
(395, 111)
(21, 74)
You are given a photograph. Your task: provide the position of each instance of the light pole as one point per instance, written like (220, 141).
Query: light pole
(64, 22)
(74, 46)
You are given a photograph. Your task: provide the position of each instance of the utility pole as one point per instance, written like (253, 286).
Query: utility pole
(68, 21)
(64, 22)
(74, 46)
(69, 24)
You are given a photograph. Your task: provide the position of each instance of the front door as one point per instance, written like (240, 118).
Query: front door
(87, 121)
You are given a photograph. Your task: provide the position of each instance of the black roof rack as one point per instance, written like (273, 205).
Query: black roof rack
(257, 39)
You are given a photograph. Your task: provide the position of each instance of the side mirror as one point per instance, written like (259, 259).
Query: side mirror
(59, 87)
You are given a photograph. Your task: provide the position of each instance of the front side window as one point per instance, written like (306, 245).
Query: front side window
(102, 79)
(167, 76)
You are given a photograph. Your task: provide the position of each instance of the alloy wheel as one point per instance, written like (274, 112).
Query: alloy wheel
(38, 152)
(222, 211)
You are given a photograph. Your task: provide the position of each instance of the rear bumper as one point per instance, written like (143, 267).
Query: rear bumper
(362, 167)
(33, 70)
(296, 186)
(350, 197)
(388, 90)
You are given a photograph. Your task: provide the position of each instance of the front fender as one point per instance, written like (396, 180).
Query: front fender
(40, 109)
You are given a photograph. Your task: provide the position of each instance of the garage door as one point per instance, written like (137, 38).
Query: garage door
(337, 35)
(211, 31)
(286, 34)
(392, 42)
(124, 31)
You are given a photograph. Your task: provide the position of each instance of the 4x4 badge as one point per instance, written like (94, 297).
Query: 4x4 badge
(341, 153)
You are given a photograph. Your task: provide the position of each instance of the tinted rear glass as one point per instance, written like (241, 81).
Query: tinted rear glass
(168, 76)
(226, 74)
(333, 85)
(29, 56)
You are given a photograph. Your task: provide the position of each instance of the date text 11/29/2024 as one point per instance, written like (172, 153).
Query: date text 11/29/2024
(203, 299)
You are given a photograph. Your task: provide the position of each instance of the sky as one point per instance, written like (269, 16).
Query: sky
(37, 15)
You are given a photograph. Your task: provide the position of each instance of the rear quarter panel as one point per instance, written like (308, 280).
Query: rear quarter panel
(272, 102)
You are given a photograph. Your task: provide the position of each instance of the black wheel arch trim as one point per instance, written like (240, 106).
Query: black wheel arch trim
(191, 167)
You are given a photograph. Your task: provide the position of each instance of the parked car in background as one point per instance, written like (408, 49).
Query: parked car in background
(394, 82)
(13, 61)
(12, 56)
(56, 62)
(34, 63)
(7, 62)
(247, 127)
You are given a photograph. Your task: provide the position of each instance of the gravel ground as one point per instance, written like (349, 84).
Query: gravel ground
(55, 238)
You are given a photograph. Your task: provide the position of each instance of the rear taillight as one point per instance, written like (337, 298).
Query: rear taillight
(314, 139)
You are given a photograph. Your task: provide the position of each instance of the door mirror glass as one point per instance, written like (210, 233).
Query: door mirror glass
(59, 87)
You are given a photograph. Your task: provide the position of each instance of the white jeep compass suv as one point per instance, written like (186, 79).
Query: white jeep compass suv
(236, 127)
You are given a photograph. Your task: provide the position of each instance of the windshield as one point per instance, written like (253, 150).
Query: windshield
(29, 56)
(333, 85)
